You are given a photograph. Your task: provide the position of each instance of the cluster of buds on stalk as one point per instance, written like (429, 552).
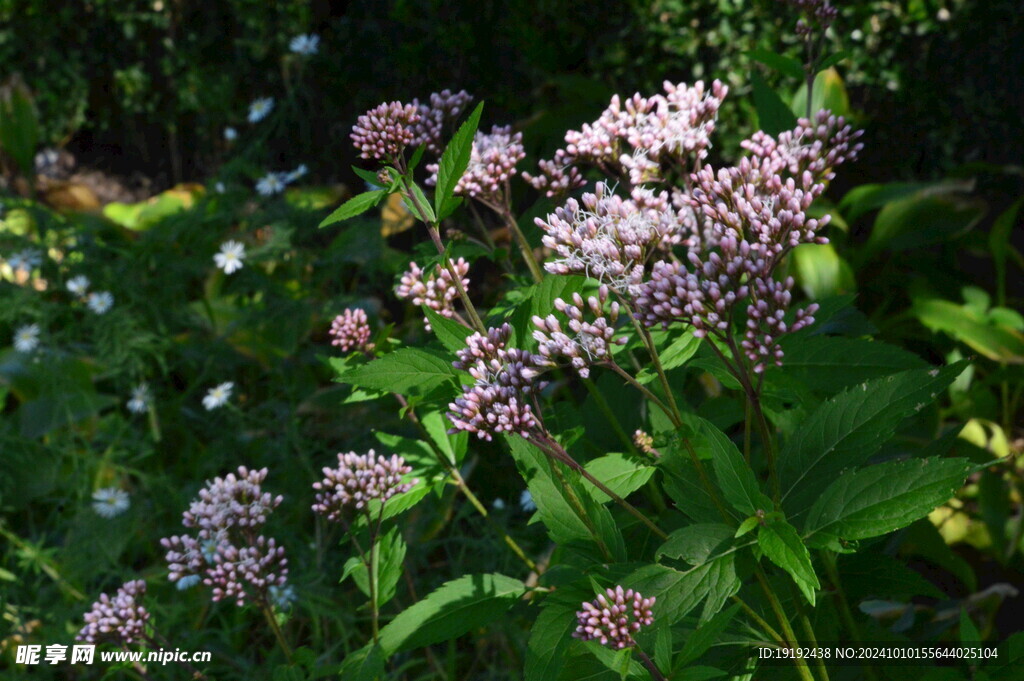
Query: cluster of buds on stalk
(383, 133)
(436, 290)
(358, 480)
(121, 619)
(228, 552)
(435, 115)
(614, 617)
(492, 163)
(350, 330)
(590, 342)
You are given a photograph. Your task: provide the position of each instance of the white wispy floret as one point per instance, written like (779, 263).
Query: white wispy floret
(100, 302)
(187, 582)
(272, 183)
(306, 45)
(218, 396)
(526, 501)
(110, 502)
(260, 109)
(296, 174)
(230, 134)
(26, 338)
(78, 285)
(140, 399)
(230, 258)
(28, 259)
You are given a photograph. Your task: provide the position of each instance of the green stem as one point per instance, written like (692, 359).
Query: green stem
(808, 628)
(829, 560)
(649, 663)
(531, 260)
(269, 614)
(787, 631)
(581, 512)
(760, 621)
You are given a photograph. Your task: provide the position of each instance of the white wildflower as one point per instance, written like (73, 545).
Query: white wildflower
(110, 502)
(218, 396)
(78, 285)
(26, 338)
(230, 258)
(140, 399)
(260, 109)
(100, 302)
(306, 45)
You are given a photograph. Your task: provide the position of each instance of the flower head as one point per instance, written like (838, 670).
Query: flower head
(26, 260)
(140, 400)
(358, 479)
(436, 290)
(100, 302)
(230, 258)
(260, 109)
(272, 183)
(589, 343)
(614, 617)
(110, 502)
(442, 109)
(78, 285)
(383, 132)
(218, 396)
(351, 330)
(306, 45)
(492, 163)
(26, 338)
(121, 619)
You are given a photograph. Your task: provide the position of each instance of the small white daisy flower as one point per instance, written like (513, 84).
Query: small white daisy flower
(100, 302)
(526, 501)
(218, 396)
(230, 134)
(140, 399)
(26, 338)
(28, 259)
(260, 109)
(499, 504)
(78, 285)
(110, 502)
(230, 258)
(272, 183)
(306, 45)
(187, 582)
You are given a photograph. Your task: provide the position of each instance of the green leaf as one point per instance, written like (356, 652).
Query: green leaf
(683, 347)
(833, 59)
(402, 371)
(678, 592)
(782, 545)
(365, 664)
(781, 63)
(704, 637)
(549, 641)
(735, 477)
(827, 364)
(998, 343)
(451, 333)
(390, 565)
(999, 244)
(452, 610)
(357, 205)
(697, 543)
(455, 159)
(619, 473)
(772, 113)
(420, 202)
(683, 486)
(848, 428)
(922, 220)
(869, 197)
(880, 499)
(19, 127)
(822, 272)
(746, 526)
(368, 176)
(829, 93)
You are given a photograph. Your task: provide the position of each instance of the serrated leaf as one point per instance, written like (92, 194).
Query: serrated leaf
(452, 610)
(880, 499)
(697, 543)
(735, 477)
(705, 636)
(781, 63)
(401, 371)
(995, 342)
(678, 592)
(848, 428)
(357, 205)
(619, 473)
(773, 115)
(782, 545)
(827, 364)
(451, 333)
(549, 641)
(923, 220)
(365, 664)
(420, 201)
(455, 159)
(368, 176)
(683, 347)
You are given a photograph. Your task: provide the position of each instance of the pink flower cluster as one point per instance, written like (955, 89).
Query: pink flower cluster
(492, 163)
(358, 479)
(436, 290)
(590, 342)
(121, 619)
(227, 550)
(442, 110)
(613, 617)
(641, 138)
(750, 216)
(383, 132)
(351, 330)
(499, 400)
(610, 238)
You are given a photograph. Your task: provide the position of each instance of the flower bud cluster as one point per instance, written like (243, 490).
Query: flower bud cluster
(358, 479)
(505, 380)
(820, 12)
(443, 109)
(642, 137)
(610, 238)
(492, 163)
(351, 330)
(121, 619)
(614, 617)
(590, 342)
(748, 218)
(382, 133)
(436, 290)
(227, 549)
